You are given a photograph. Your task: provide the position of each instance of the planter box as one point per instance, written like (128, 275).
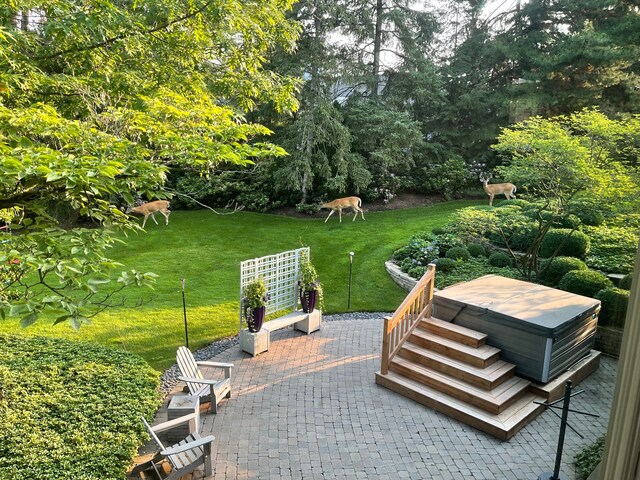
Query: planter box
(254, 343)
(543, 331)
(311, 323)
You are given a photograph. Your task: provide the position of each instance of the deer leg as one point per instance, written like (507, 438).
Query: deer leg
(144, 222)
(361, 213)
(330, 213)
(491, 200)
(166, 216)
(153, 217)
(340, 213)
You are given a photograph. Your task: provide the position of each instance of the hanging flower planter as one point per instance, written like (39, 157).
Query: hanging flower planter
(309, 286)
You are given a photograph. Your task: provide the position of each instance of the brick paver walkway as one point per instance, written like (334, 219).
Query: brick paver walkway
(309, 409)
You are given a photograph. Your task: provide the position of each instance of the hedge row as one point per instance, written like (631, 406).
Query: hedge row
(71, 410)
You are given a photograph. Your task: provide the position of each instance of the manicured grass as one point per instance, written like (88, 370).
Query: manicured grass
(206, 249)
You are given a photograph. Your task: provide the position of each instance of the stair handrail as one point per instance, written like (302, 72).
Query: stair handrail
(398, 327)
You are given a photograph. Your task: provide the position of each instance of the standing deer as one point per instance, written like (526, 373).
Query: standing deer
(348, 202)
(509, 189)
(151, 208)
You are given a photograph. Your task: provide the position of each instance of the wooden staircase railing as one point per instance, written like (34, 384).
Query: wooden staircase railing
(415, 307)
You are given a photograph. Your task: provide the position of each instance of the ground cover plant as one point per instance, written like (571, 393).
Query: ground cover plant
(206, 249)
(71, 409)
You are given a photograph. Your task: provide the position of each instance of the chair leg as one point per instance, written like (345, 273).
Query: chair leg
(208, 460)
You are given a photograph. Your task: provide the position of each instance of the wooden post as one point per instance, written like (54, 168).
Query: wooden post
(384, 367)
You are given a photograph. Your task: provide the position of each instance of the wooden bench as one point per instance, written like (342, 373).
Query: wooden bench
(258, 342)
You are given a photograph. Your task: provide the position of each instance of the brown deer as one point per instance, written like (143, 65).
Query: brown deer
(508, 189)
(151, 208)
(353, 203)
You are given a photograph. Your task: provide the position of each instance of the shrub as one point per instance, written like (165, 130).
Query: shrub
(445, 241)
(458, 253)
(522, 239)
(438, 231)
(474, 268)
(584, 282)
(500, 259)
(613, 249)
(476, 250)
(552, 270)
(71, 409)
(517, 202)
(472, 224)
(445, 265)
(567, 242)
(589, 457)
(614, 306)
(589, 212)
(625, 283)
(420, 251)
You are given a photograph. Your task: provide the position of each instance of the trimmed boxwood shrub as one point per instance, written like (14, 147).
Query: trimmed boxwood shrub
(476, 250)
(584, 282)
(445, 264)
(500, 259)
(614, 306)
(613, 249)
(522, 239)
(71, 410)
(552, 270)
(576, 244)
(458, 253)
(625, 283)
(474, 268)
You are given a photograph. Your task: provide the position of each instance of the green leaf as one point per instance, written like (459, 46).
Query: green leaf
(29, 320)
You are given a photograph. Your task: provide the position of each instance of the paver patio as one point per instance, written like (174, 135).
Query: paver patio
(309, 409)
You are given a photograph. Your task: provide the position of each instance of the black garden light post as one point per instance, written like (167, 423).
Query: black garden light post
(351, 254)
(184, 310)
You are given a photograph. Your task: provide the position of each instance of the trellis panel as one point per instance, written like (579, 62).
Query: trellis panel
(280, 274)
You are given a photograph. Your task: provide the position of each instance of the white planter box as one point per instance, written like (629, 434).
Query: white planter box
(311, 323)
(254, 343)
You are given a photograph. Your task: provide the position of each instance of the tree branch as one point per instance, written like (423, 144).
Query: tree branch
(111, 40)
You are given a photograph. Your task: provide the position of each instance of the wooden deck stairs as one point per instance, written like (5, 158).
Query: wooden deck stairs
(451, 369)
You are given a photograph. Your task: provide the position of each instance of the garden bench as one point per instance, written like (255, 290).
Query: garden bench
(280, 273)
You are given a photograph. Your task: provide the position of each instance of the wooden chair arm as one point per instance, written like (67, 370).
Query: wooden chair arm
(188, 446)
(203, 381)
(161, 427)
(215, 364)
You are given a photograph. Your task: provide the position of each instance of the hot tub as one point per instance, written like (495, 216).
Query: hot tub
(542, 330)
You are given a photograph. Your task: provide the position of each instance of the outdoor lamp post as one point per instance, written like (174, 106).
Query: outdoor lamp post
(184, 310)
(351, 254)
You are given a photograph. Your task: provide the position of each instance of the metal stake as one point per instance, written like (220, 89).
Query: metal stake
(351, 254)
(563, 428)
(184, 310)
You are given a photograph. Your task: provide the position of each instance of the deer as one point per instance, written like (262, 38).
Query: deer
(353, 203)
(151, 208)
(508, 189)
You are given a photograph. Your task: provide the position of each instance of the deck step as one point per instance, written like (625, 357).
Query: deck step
(494, 401)
(478, 357)
(502, 426)
(485, 378)
(454, 332)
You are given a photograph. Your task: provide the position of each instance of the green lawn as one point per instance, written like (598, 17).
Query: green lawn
(206, 249)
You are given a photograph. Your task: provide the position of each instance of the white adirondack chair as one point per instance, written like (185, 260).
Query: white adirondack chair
(185, 456)
(199, 386)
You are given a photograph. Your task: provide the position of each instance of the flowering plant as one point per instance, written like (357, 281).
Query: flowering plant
(308, 279)
(255, 296)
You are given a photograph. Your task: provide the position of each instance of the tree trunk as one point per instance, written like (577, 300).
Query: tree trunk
(377, 46)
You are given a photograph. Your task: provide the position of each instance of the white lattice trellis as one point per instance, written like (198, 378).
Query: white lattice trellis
(280, 274)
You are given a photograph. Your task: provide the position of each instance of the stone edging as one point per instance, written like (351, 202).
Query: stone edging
(402, 279)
